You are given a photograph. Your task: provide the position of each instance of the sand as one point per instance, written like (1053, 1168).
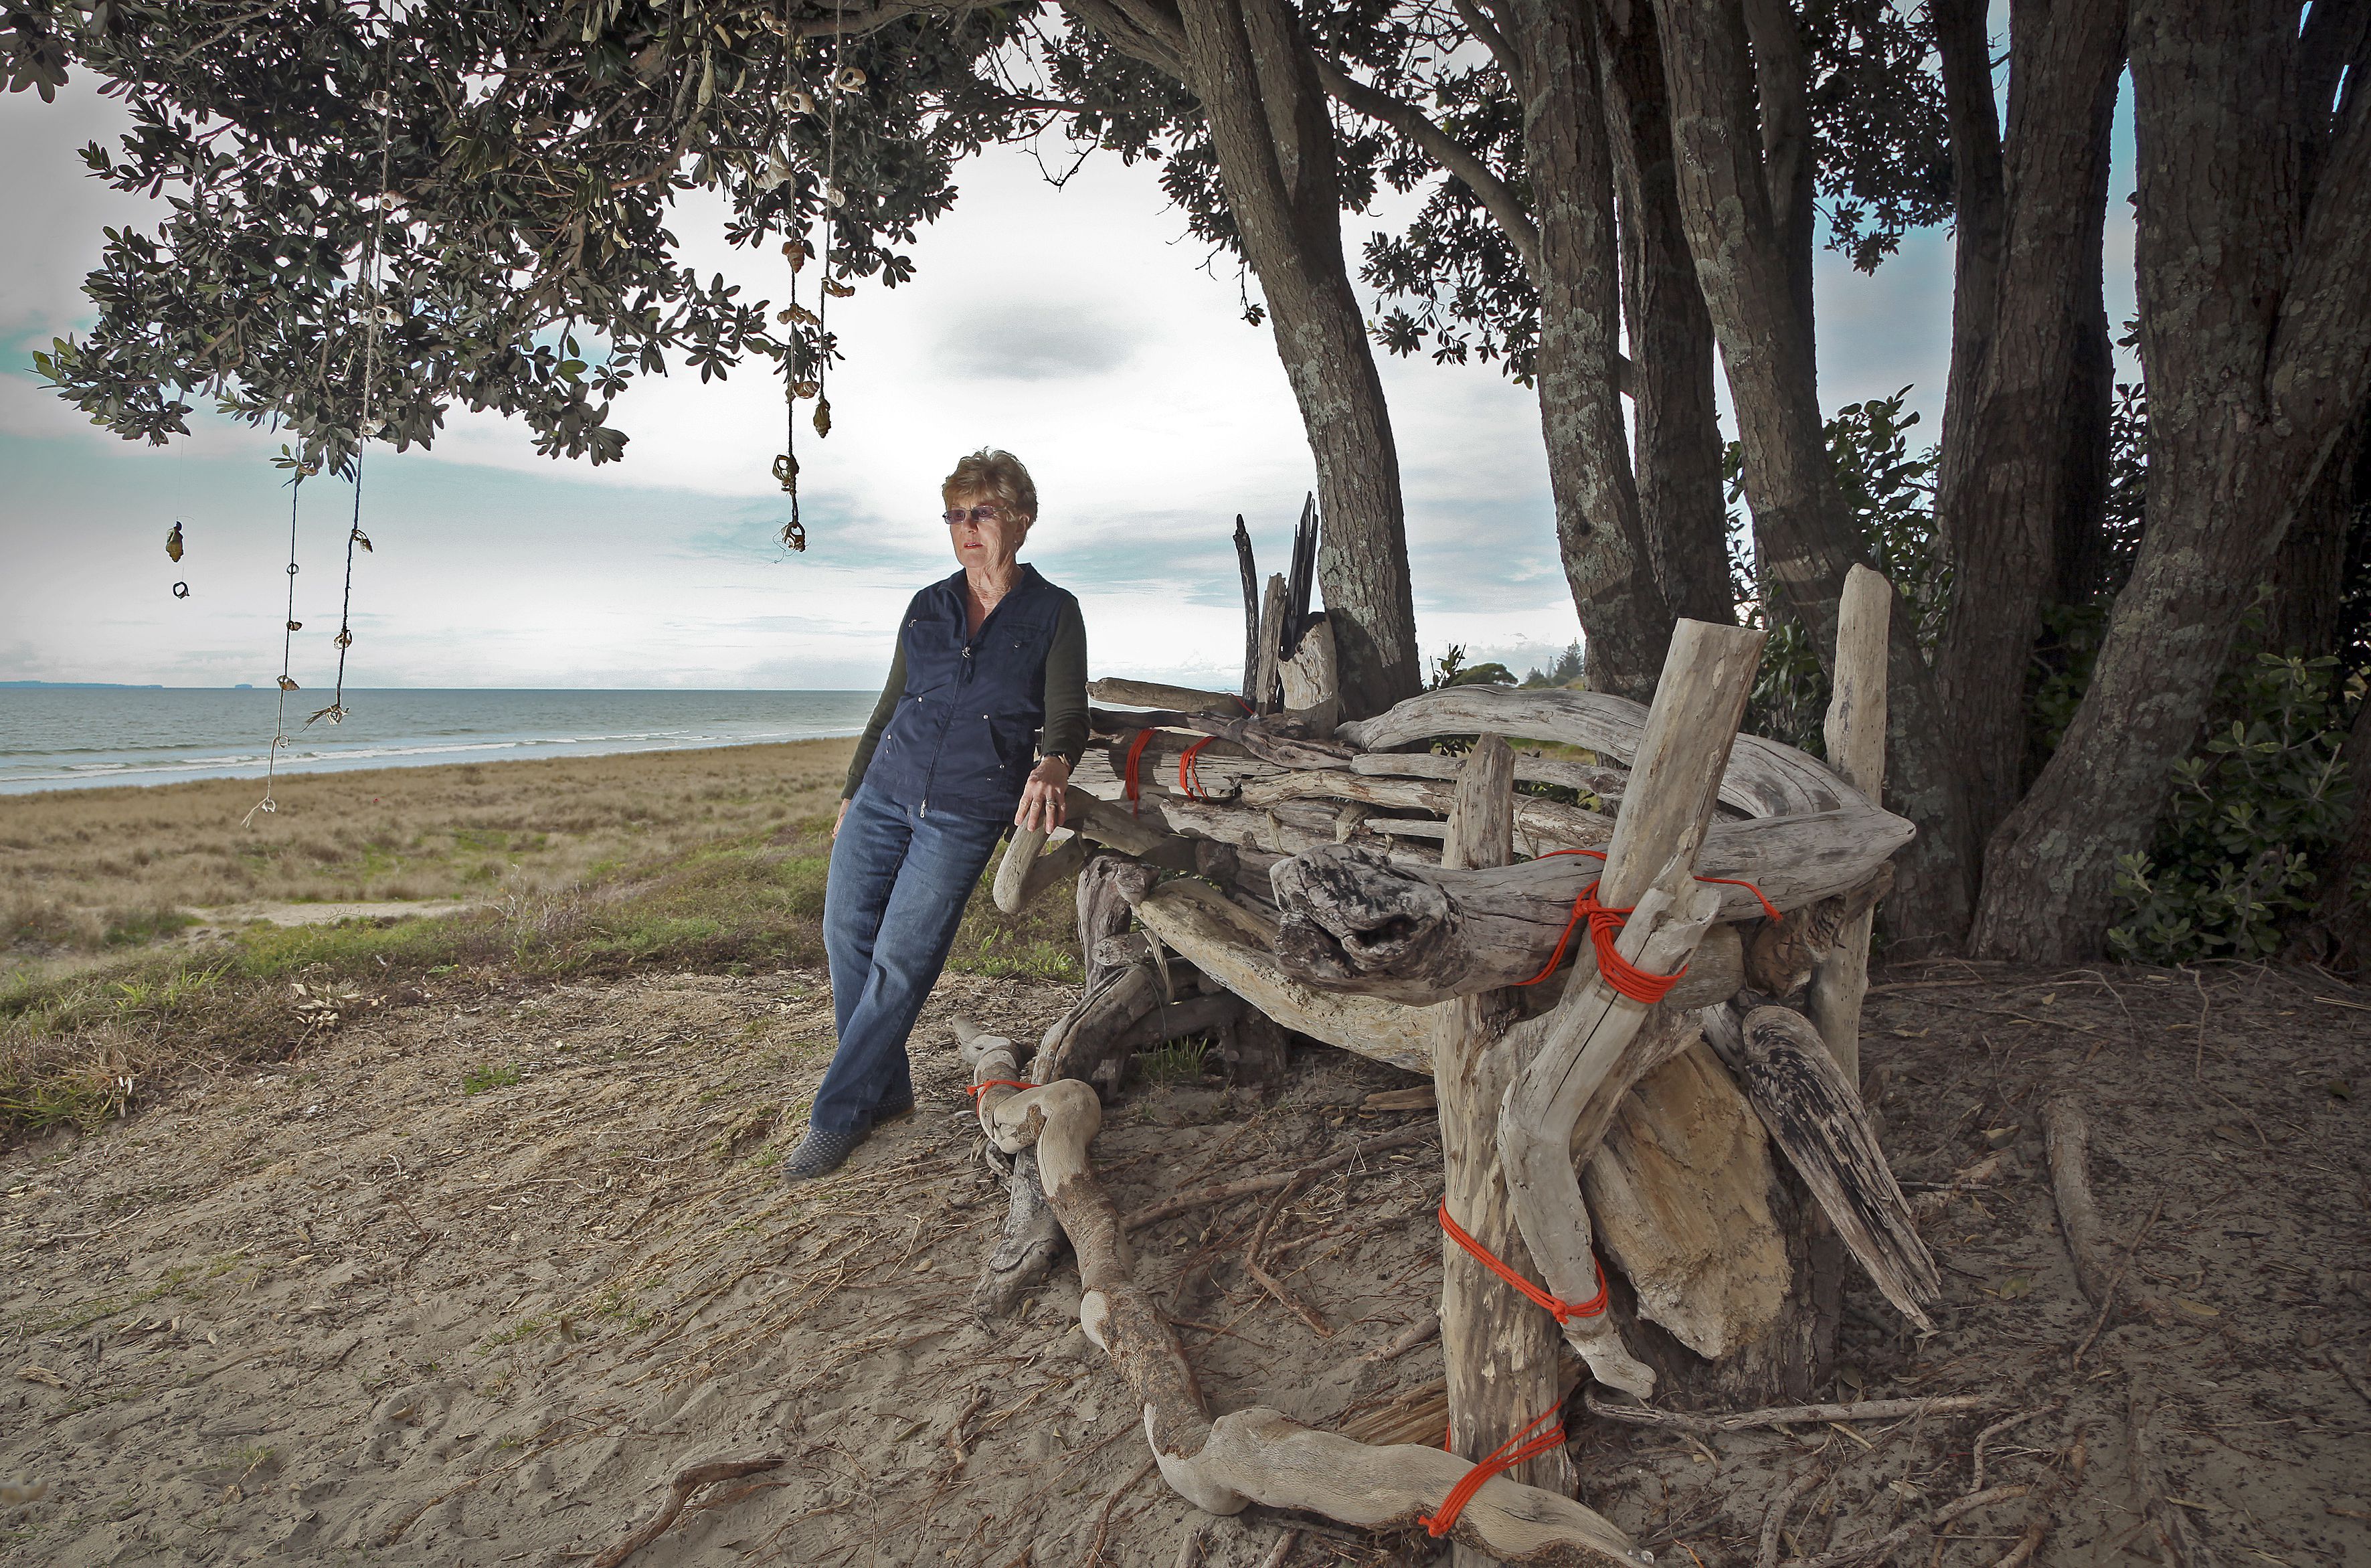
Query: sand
(343, 1309)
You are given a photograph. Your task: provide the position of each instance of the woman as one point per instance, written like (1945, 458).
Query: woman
(986, 659)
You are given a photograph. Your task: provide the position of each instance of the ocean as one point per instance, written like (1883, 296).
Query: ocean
(85, 737)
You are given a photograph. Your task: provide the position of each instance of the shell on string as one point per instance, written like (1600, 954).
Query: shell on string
(823, 416)
(390, 316)
(836, 289)
(795, 101)
(833, 196)
(795, 252)
(287, 685)
(805, 389)
(786, 471)
(173, 543)
(847, 79)
(795, 311)
(794, 534)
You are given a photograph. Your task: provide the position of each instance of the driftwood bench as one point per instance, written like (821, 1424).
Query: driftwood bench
(1406, 887)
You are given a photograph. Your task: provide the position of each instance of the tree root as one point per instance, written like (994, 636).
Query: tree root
(687, 1481)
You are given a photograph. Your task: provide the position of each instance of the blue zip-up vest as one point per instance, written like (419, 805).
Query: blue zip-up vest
(965, 735)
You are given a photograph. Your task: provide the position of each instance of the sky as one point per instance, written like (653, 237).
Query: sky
(1079, 328)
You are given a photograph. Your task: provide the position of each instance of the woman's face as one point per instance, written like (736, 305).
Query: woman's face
(989, 535)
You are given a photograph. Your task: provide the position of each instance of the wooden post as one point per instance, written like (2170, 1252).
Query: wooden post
(1251, 611)
(1855, 737)
(1591, 1049)
(1500, 1348)
(1273, 610)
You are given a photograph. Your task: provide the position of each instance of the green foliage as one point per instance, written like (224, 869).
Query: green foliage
(1889, 493)
(1179, 1061)
(1562, 672)
(1452, 670)
(2256, 812)
(532, 157)
(478, 1080)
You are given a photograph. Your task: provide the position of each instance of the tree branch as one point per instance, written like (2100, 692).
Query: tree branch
(1413, 123)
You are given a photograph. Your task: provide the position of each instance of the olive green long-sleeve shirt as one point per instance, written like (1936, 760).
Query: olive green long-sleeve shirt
(1066, 698)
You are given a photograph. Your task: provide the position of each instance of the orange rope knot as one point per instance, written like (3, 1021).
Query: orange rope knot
(1605, 922)
(1563, 1311)
(1132, 786)
(1523, 1445)
(1189, 774)
(977, 1089)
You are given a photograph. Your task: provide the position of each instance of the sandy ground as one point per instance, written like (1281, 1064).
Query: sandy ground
(470, 1281)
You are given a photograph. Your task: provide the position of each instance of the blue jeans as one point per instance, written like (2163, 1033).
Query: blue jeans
(891, 904)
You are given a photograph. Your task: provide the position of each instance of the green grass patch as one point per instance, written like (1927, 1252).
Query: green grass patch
(478, 1080)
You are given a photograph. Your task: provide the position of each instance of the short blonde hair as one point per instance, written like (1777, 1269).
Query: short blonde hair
(996, 475)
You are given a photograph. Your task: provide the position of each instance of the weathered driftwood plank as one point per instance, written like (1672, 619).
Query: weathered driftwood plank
(1030, 1241)
(1258, 1454)
(1028, 869)
(1311, 680)
(1280, 738)
(1220, 769)
(1785, 955)
(1273, 605)
(1799, 1091)
(1108, 889)
(1539, 824)
(1605, 783)
(1764, 779)
(1500, 1348)
(1680, 1196)
(1419, 932)
(1232, 947)
(1855, 733)
(1250, 572)
(1156, 694)
(1581, 1051)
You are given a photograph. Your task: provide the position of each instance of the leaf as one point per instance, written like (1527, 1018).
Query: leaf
(2196, 1308)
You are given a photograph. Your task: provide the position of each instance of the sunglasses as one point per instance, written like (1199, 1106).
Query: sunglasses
(961, 516)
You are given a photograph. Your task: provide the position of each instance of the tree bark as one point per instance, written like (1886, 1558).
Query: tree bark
(1248, 62)
(1566, 163)
(2257, 354)
(1682, 507)
(2025, 458)
(1805, 542)
(1978, 199)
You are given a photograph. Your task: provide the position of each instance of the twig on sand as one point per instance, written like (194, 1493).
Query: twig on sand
(1976, 1479)
(2108, 1298)
(2045, 1509)
(1894, 1539)
(2160, 1513)
(1253, 1186)
(1774, 1522)
(687, 1481)
(1102, 1520)
(1790, 1415)
(1281, 1549)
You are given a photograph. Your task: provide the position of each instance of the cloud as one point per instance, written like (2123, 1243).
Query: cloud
(1036, 341)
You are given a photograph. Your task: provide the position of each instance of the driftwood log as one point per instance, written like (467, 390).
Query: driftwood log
(1256, 1455)
(1579, 1055)
(1855, 735)
(1815, 1115)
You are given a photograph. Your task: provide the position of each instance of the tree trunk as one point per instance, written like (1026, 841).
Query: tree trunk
(1248, 62)
(1565, 161)
(1681, 508)
(2257, 354)
(2308, 572)
(2342, 913)
(1807, 543)
(1978, 199)
(2025, 460)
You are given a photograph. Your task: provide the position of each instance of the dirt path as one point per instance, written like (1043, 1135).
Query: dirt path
(470, 1281)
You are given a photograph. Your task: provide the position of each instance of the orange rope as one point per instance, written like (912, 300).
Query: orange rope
(1189, 774)
(1563, 1311)
(1132, 786)
(1605, 921)
(977, 1089)
(1523, 1445)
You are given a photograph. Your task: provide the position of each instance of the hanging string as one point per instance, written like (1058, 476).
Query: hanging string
(791, 100)
(336, 712)
(840, 82)
(290, 627)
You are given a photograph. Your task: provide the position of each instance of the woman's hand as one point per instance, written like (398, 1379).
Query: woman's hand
(1043, 803)
(840, 818)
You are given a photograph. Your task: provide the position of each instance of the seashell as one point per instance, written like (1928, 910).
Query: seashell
(849, 79)
(795, 101)
(173, 543)
(805, 388)
(834, 196)
(836, 289)
(794, 534)
(823, 416)
(798, 313)
(786, 470)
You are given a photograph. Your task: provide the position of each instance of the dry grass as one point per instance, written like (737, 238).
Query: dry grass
(84, 870)
(706, 860)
